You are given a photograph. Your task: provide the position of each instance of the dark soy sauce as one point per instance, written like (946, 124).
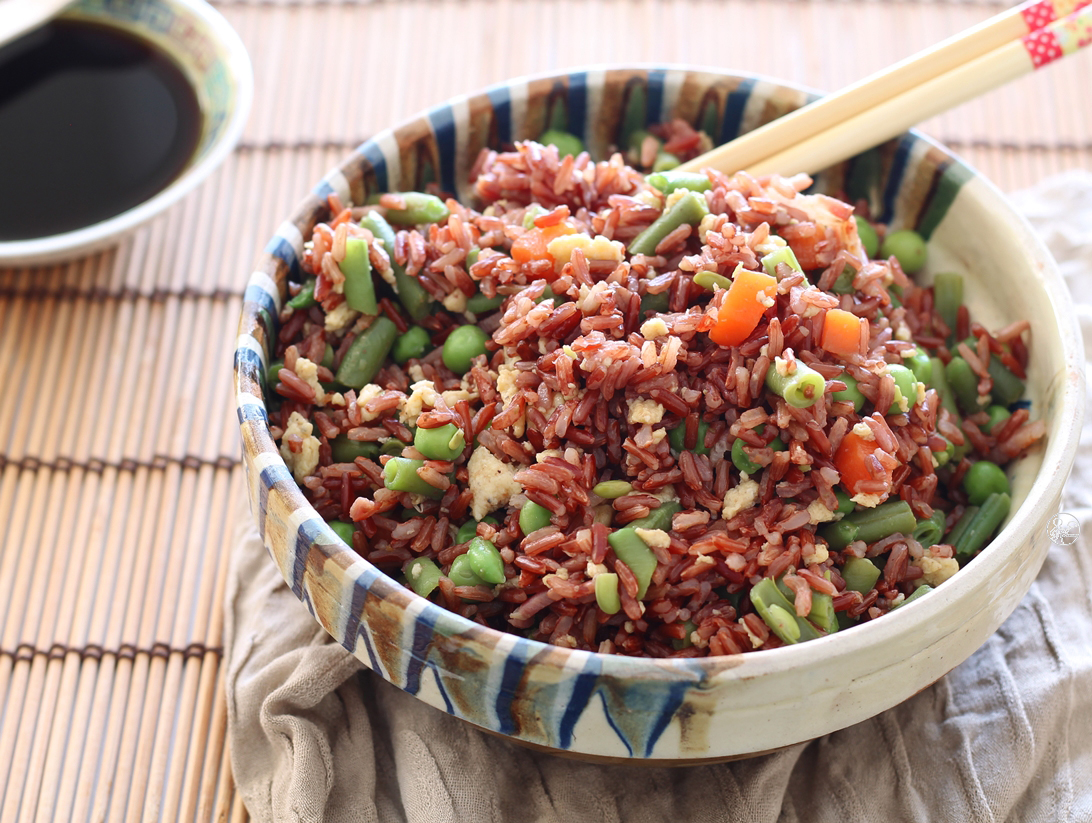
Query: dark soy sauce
(92, 122)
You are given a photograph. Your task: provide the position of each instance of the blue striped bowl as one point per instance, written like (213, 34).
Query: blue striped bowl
(612, 707)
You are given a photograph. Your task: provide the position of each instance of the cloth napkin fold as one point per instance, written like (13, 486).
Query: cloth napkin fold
(1006, 736)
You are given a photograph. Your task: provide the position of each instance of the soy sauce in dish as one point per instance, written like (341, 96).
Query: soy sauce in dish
(93, 121)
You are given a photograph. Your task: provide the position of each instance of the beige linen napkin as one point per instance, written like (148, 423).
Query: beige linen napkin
(1007, 736)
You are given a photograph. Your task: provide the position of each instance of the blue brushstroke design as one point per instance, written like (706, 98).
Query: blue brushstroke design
(284, 251)
(260, 297)
(613, 725)
(251, 360)
(306, 535)
(449, 706)
(253, 413)
(577, 100)
(442, 119)
(583, 690)
(500, 97)
(676, 694)
(510, 679)
(353, 630)
(734, 106)
(655, 100)
(899, 165)
(323, 190)
(378, 161)
(423, 630)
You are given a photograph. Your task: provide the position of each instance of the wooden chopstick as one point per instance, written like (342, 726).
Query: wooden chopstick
(888, 102)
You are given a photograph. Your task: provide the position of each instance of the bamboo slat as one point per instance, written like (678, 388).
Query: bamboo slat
(119, 464)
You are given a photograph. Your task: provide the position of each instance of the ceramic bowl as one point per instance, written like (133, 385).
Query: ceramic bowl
(213, 59)
(601, 706)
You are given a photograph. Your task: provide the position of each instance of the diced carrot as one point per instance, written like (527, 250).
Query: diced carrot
(841, 332)
(853, 464)
(743, 306)
(531, 245)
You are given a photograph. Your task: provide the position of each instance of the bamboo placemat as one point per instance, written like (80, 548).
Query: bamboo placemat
(119, 459)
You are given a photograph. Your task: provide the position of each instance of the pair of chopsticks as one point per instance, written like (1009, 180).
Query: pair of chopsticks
(883, 105)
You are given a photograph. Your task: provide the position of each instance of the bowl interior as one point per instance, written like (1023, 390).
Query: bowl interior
(609, 706)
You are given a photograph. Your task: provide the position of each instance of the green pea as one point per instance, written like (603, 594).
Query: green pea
(606, 593)
(676, 438)
(462, 573)
(843, 284)
(845, 502)
(413, 342)
(479, 303)
(462, 346)
(906, 246)
(533, 517)
(420, 208)
(343, 530)
(984, 478)
(655, 303)
(665, 161)
(470, 528)
(272, 373)
(741, 461)
(423, 575)
(905, 388)
(860, 574)
(612, 489)
(485, 560)
(998, 414)
(920, 364)
(566, 143)
(869, 239)
(441, 443)
(530, 213)
(850, 394)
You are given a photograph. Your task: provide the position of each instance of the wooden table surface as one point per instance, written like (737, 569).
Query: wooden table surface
(119, 454)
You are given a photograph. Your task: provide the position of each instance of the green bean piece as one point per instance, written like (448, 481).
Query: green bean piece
(669, 180)
(964, 385)
(884, 520)
(847, 622)
(658, 303)
(905, 388)
(1007, 387)
(800, 389)
(532, 212)
(860, 574)
(305, 297)
(688, 209)
(357, 268)
(944, 457)
(411, 294)
(344, 450)
(462, 346)
(929, 531)
(565, 142)
(998, 414)
(462, 573)
(845, 502)
(961, 525)
(711, 281)
(423, 575)
(420, 208)
(939, 381)
(983, 525)
(400, 475)
(665, 161)
(612, 489)
(366, 354)
(869, 239)
(273, 372)
(444, 442)
(850, 394)
(637, 137)
(906, 246)
(740, 459)
(343, 530)
(635, 553)
(606, 593)
(838, 533)
(414, 342)
(533, 517)
(822, 612)
(917, 594)
(480, 304)
(984, 478)
(784, 254)
(392, 446)
(486, 560)
(948, 297)
(676, 438)
(684, 642)
(920, 364)
(658, 518)
(843, 284)
(765, 596)
(466, 531)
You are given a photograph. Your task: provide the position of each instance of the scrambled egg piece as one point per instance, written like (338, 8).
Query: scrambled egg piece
(863, 431)
(506, 386)
(936, 569)
(645, 411)
(819, 555)
(818, 513)
(656, 327)
(869, 501)
(597, 248)
(654, 538)
(308, 373)
(492, 482)
(340, 317)
(456, 301)
(368, 392)
(303, 462)
(739, 497)
(422, 393)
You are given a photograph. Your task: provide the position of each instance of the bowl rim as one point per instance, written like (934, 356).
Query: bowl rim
(1057, 461)
(87, 239)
